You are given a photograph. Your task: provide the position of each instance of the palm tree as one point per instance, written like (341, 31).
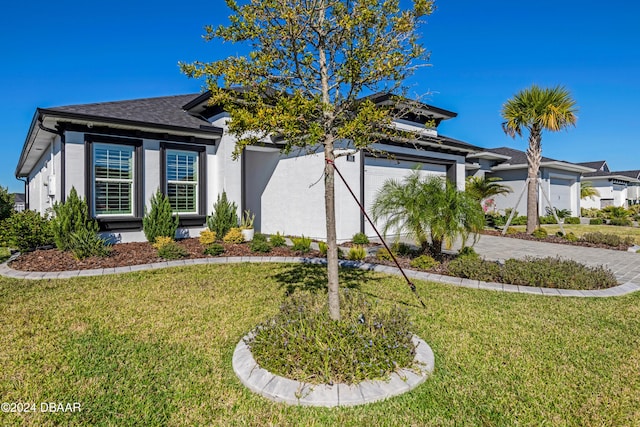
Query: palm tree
(587, 190)
(483, 187)
(537, 109)
(427, 208)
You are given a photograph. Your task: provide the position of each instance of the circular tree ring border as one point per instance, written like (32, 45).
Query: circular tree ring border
(280, 389)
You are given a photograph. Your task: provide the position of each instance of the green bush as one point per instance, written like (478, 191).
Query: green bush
(234, 235)
(424, 262)
(301, 244)
(402, 249)
(556, 273)
(303, 343)
(356, 253)
(260, 243)
(606, 239)
(548, 219)
(207, 237)
(611, 212)
(384, 254)
(214, 249)
(467, 251)
(360, 239)
(519, 220)
(72, 216)
(6, 203)
(26, 231)
(171, 250)
(591, 213)
(474, 268)
(571, 237)
(159, 221)
(539, 233)
(595, 221)
(277, 240)
(621, 222)
(322, 248)
(224, 216)
(572, 220)
(84, 243)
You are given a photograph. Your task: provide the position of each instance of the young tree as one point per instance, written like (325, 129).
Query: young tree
(587, 190)
(483, 187)
(6, 203)
(303, 79)
(537, 109)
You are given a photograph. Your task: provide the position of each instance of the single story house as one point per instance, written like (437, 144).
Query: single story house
(117, 154)
(613, 187)
(633, 188)
(19, 202)
(560, 179)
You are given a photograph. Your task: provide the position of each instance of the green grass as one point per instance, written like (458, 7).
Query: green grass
(580, 229)
(154, 348)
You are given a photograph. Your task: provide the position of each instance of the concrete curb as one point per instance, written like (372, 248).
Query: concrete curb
(280, 389)
(626, 288)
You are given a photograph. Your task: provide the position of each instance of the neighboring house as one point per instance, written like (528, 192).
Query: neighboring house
(117, 154)
(612, 186)
(19, 202)
(633, 189)
(560, 179)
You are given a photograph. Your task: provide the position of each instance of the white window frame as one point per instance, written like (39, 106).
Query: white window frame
(195, 184)
(130, 180)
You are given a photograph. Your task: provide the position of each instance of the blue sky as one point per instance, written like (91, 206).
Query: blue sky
(73, 52)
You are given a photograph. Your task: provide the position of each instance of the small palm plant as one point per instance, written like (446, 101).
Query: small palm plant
(588, 191)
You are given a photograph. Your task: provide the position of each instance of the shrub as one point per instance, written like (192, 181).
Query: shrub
(571, 237)
(467, 251)
(424, 262)
(562, 213)
(6, 203)
(615, 212)
(474, 268)
(539, 233)
(70, 217)
(556, 273)
(511, 231)
(277, 240)
(26, 231)
(322, 247)
(168, 248)
(360, 239)
(572, 220)
(621, 222)
(260, 243)
(606, 239)
(384, 254)
(84, 243)
(301, 244)
(234, 235)
(207, 237)
(357, 253)
(519, 220)
(159, 221)
(591, 213)
(595, 221)
(214, 249)
(224, 216)
(302, 343)
(548, 219)
(402, 249)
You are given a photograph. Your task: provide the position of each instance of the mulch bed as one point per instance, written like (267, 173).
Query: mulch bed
(126, 254)
(555, 239)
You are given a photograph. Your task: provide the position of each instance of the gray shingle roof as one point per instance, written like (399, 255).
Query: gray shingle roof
(165, 110)
(599, 166)
(517, 157)
(631, 174)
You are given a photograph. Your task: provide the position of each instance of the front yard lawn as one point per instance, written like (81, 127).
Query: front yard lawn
(580, 229)
(155, 348)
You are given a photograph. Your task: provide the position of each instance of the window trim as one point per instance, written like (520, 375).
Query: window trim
(108, 222)
(199, 217)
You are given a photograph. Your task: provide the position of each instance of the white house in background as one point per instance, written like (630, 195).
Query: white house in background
(633, 189)
(117, 154)
(615, 188)
(560, 179)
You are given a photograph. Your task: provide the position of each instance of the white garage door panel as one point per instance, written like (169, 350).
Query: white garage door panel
(377, 171)
(561, 193)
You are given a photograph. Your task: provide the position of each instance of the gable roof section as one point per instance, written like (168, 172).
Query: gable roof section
(517, 159)
(631, 174)
(598, 165)
(161, 114)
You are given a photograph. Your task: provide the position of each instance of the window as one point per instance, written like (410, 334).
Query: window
(113, 173)
(182, 180)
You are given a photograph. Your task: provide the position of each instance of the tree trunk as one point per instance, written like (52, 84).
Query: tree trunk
(332, 246)
(534, 157)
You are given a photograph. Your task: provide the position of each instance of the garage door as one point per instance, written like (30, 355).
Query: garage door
(561, 193)
(378, 170)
